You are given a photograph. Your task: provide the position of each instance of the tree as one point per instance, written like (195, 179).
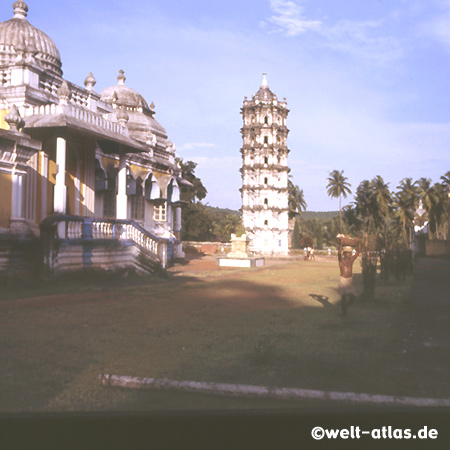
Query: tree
(224, 226)
(428, 196)
(196, 191)
(446, 183)
(195, 221)
(365, 207)
(296, 235)
(383, 199)
(439, 209)
(405, 204)
(338, 187)
(297, 202)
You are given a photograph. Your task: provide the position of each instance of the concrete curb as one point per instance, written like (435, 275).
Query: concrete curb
(242, 390)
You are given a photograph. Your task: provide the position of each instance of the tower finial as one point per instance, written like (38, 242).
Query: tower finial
(20, 9)
(264, 80)
(121, 78)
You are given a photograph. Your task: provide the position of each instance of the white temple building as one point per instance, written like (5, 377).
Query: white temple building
(88, 178)
(265, 172)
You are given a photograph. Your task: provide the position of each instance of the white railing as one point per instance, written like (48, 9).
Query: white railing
(72, 227)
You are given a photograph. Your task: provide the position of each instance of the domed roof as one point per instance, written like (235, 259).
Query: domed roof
(18, 35)
(141, 124)
(123, 95)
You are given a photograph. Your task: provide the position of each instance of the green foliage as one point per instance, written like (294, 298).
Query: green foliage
(225, 225)
(196, 191)
(296, 235)
(196, 222)
(296, 201)
(338, 187)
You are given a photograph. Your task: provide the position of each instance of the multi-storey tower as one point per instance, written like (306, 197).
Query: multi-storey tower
(265, 172)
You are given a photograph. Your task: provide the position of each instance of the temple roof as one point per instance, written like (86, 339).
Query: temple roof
(18, 36)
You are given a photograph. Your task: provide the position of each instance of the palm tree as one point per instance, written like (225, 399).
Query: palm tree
(428, 196)
(364, 204)
(439, 208)
(297, 202)
(405, 214)
(446, 182)
(382, 198)
(338, 187)
(407, 199)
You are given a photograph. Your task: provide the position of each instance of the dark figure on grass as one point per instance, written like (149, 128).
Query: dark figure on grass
(346, 288)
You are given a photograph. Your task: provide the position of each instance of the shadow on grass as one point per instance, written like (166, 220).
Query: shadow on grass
(185, 328)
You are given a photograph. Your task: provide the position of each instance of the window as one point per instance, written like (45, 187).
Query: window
(159, 214)
(266, 120)
(266, 140)
(137, 206)
(266, 160)
(266, 180)
(266, 222)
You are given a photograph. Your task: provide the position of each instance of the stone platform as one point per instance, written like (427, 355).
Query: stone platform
(249, 261)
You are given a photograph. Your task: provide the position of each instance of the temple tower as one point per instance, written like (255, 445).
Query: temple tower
(265, 172)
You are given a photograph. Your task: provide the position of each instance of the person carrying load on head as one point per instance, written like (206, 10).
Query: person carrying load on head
(346, 259)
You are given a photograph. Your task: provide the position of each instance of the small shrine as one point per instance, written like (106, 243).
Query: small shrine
(240, 255)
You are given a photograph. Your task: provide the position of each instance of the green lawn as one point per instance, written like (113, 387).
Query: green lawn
(277, 326)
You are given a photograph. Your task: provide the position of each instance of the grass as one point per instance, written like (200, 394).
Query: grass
(278, 326)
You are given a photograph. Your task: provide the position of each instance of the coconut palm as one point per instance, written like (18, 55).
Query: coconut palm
(297, 202)
(439, 209)
(382, 199)
(405, 214)
(338, 187)
(364, 204)
(407, 199)
(446, 183)
(429, 198)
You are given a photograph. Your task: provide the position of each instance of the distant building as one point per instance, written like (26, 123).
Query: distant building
(89, 176)
(265, 172)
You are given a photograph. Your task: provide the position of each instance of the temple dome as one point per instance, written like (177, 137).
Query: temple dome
(18, 35)
(141, 124)
(123, 95)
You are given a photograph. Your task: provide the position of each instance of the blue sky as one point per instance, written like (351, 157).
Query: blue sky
(367, 82)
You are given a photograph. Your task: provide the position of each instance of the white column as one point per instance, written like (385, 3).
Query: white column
(59, 201)
(177, 225)
(121, 199)
(17, 196)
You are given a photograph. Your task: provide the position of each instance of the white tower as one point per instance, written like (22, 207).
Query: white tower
(265, 172)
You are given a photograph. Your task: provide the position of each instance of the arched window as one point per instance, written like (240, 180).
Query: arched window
(266, 139)
(266, 160)
(266, 180)
(266, 120)
(173, 192)
(152, 189)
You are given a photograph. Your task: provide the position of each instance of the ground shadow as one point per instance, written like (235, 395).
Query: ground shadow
(321, 299)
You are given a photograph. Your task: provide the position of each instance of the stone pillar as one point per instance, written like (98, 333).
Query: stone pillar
(177, 224)
(121, 199)
(17, 196)
(59, 201)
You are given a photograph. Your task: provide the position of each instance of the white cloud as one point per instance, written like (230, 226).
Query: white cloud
(360, 39)
(288, 18)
